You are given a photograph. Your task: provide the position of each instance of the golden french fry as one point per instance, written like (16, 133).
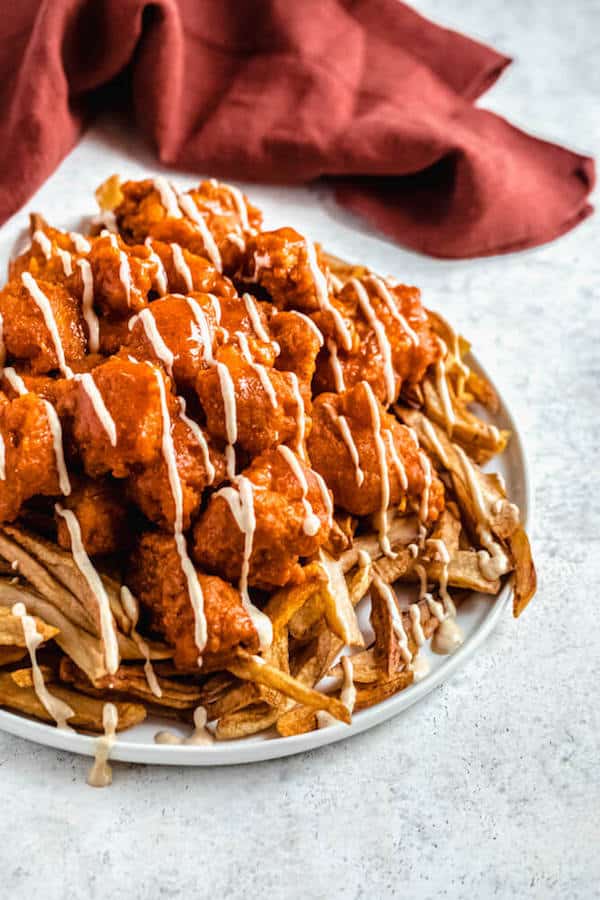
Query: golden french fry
(286, 602)
(88, 711)
(132, 680)
(246, 722)
(337, 605)
(365, 668)
(11, 629)
(49, 587)
(298, 720)
(359, 583)
(253, 668)
(525, 583)
(84, 649)
(370, 694)
(61, 565)
(403, 530)
(10, 655)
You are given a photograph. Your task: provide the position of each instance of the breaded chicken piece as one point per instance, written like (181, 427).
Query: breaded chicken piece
(156, 578)
(343, 446)
(287, 528)
(28, 426)
(103, 517)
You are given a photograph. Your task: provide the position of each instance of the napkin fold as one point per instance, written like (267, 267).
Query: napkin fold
(367, 94)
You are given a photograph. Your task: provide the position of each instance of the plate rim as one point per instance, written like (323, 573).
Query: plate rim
(236, 752)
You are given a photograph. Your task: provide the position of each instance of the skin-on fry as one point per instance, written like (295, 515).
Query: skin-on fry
(246, 722)
(337, 606)
(525, 584)
(88, 711)
(77, 643)
(38, 576)
(61, 565)
(11, 629)
(131, 680)
(252, 668)
(10, 655)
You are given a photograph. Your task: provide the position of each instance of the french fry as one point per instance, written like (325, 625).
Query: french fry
(80, 645)
(88, 711)
(246, 722)
(252, 668)
(337, 605)
(525, 583)
(131, 680)
(370, 694)
(9, 655)
(61, 565)
(11, 629)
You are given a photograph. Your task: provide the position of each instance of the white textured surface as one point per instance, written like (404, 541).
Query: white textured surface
(490, 787)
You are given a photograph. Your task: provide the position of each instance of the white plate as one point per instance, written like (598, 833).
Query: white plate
(477, 617)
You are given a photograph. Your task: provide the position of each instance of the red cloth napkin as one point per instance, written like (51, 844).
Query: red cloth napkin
(367, 92)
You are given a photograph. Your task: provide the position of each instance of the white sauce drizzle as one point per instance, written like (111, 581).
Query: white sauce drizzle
(301, 423)
(426, 466)
(442, 553)
(190, 574)
(238, 199)
(200, 736)
(199, 435)
(124, 268)
(204, 328)
(254, 316)
(43, 304)
(15, 381)
(84, 564)
(160, 275)
(241, 504)
(190, 209)
(56, 431)
(66, 260)
(315, 330)
(311, 523)
(347, 696)
(384, 541)
(87, 305)
(104, 417)
(346, 434)
(434, 441)
(159, 348)
(260, 370)
(43, 242)
(414, 610)
(181, 267)
(322, 292)
(385, 294)
(54, 706)
(398, 464)
(396, 617)
(132, 609)
(336, 366)
(81, 244)
(230, 408)
(100, 775)
(383, 343)
(168, 197)
(447, 637)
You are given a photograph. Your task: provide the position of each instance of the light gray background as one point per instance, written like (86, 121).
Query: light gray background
(490, 787)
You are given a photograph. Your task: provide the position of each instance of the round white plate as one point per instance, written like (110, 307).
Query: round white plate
(477, 617)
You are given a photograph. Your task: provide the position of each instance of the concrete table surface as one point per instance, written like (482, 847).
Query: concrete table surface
(491, 786)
